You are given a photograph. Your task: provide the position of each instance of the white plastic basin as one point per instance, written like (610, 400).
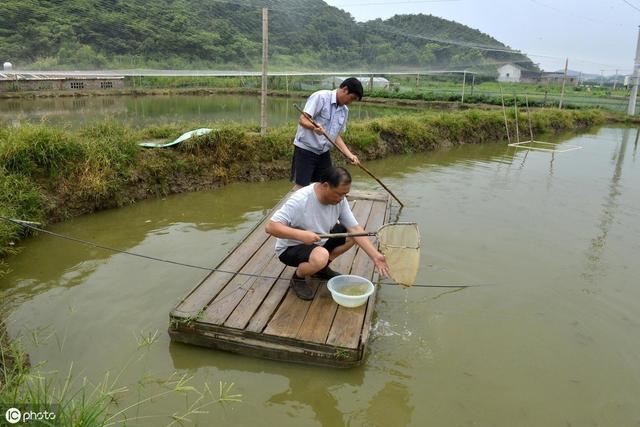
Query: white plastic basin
(336, 284)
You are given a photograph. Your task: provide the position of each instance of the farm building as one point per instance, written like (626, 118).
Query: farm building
(12, 82)
(367, 82)
(557, 77)
(513, 73)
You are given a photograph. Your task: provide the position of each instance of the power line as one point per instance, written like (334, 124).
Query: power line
(632, 5)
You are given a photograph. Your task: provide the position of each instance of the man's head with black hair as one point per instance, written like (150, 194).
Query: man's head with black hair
(335, 184)
(349, 91)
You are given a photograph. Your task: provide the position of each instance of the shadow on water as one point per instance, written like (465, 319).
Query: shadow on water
(609, 208)
(310, 386)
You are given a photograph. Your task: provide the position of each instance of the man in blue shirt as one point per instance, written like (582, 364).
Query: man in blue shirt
(329, 109)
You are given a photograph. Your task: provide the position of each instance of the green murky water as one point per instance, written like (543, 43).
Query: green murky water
(354, 290)
(548, 338)
(146, 110)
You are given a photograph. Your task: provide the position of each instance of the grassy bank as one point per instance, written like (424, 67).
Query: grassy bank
(49, 174)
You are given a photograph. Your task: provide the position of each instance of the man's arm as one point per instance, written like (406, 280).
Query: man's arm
(343, 147)
(306, 123)
(369, 249)
(281, 231)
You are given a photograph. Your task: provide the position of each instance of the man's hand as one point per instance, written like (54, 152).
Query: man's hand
(381, 264)
(318, 130)
(308, 237)
(354, 160)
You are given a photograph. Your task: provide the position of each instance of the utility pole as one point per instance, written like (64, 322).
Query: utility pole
(615, 80)
(564, 80)
(265, 59)
(631, 109)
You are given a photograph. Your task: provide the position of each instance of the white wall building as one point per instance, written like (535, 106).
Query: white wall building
(378, 82)
(509, 73)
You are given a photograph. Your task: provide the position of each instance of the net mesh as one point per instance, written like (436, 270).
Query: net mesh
(400, 244)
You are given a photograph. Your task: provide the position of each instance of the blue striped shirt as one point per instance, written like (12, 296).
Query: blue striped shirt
(323, 107)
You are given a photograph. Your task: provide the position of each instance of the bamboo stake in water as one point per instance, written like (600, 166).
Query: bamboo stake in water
(515, 107)
(345, 156)
(526, 99)
(504, 112)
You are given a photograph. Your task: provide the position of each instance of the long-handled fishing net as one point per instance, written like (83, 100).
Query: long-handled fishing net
(399, 242)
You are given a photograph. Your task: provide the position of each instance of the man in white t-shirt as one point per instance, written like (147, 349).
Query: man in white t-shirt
(312, 210)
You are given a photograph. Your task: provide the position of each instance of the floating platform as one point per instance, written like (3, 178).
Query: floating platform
(262, 317)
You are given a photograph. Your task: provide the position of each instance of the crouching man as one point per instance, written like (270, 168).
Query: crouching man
(312, 210)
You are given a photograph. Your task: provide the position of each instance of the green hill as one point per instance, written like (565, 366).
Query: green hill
(304, 34)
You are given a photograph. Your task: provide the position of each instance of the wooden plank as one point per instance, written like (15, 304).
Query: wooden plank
(206, 290)
(348, 322)
(318, 321)
(290, 315)
(227, 300)
(255, 295)
(277, 351)
(368, 195)
(212, 284)
(372, 300)
(271, 302)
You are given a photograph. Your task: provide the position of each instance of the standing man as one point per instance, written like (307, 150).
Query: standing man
(329, 110)
(314, 210)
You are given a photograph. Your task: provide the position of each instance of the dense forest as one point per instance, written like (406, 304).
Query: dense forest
(225, 34)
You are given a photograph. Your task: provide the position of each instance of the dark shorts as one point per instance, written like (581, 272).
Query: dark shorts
(307, 167)
(295, 255)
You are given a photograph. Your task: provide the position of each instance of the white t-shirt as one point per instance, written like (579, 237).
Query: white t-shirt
(304, 211)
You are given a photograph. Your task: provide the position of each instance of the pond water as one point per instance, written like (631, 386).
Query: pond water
(548, 337)
(140, 111)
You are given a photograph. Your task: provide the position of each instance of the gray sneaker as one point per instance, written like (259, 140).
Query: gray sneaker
(302, 289)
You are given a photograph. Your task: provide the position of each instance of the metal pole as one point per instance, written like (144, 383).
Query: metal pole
(631, 109)
(564, 80)
(265, 59)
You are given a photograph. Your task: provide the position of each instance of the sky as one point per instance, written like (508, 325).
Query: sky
(597, 36)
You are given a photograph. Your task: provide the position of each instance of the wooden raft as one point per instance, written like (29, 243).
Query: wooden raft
(262, 317)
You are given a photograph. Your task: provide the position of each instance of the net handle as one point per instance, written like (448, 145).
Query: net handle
(333, 235)
(364, 233)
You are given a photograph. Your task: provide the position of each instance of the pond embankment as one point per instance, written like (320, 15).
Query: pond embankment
(50, 174)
